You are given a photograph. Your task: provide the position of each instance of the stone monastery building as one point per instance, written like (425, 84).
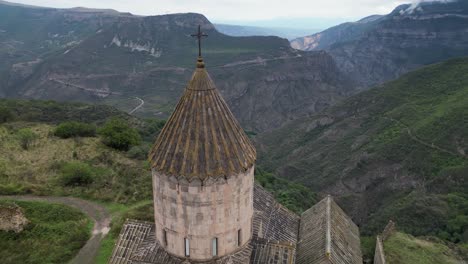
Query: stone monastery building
(207, 208)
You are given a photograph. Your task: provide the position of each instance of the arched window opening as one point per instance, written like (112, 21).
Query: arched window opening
(215, 247)
(165, 237)
(187, 247)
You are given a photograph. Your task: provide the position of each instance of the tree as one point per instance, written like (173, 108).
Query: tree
(75, 129)
(116, 133)
(26, 137)
(77, 174)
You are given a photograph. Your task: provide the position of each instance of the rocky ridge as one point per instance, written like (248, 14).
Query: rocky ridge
(382, 48)
(265, 82)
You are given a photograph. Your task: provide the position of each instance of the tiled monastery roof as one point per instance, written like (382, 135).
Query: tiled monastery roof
(202, 138)
(328, 235)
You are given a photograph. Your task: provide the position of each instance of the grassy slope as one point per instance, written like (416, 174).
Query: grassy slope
(122, 182)
(361, 151)
(54, 235)
(37, 170)
(52, 112)
(401, 248)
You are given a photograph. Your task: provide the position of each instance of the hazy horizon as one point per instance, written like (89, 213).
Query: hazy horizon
(262, 13)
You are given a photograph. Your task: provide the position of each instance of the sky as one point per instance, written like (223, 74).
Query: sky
(287, 13)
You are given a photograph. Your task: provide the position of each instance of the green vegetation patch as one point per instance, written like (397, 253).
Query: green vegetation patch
(56, 112)
(116, 133)
(55, 234)
(368, 248)
(143, 211)
(75, 129)
(401, 248)
(26, 137)
(296, 197)
(81, 167)
(76, 174)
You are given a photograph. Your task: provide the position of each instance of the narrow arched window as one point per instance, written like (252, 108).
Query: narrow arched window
(239, 237)
(187, 247)
(165, 237)
(215, 246)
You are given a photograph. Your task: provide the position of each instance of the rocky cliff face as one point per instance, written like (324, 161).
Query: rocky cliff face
(265, 82)
(342, 33)
(264, 94)
(378, 49)
(26, 32)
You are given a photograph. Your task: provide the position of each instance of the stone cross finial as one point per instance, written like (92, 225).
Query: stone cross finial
(199, 35)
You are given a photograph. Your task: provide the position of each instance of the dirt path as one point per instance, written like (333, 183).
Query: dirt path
(96, 212)
(139, 106)
(422, 142)
(98, 92)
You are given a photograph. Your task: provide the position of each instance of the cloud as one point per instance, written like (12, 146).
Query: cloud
(415, 5)
(238, 10)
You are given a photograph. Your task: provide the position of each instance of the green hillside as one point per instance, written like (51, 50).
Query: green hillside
(395, 152)
(54, 234)
(401, 248)
(37, 160)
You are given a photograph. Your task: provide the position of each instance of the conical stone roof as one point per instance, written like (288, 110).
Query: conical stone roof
(202, 138)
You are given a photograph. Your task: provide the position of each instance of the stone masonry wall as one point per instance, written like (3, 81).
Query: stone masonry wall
(379, 257)
(218, 209)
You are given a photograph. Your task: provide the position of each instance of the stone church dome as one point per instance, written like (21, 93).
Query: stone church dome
(202, 138)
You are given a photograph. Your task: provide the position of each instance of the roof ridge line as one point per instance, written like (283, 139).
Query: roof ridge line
(328, 228)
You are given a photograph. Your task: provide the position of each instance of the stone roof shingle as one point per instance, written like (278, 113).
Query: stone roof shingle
(202, 138)
(328, 235)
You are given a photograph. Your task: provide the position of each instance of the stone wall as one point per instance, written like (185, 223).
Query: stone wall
(218, 208)
(388, 230)
(12, 218)
(379, 257)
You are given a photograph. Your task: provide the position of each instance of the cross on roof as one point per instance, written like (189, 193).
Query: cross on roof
(199, 35)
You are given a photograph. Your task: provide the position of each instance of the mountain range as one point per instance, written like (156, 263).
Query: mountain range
(112, 58)
(120, 59)
(381, 48)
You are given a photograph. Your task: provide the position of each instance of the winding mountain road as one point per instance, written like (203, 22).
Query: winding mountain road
(139, 106)
(96, 212)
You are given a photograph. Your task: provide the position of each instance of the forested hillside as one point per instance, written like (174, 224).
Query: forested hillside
(397, 152)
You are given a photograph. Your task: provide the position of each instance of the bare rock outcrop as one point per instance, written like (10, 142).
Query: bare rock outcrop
(12, 217)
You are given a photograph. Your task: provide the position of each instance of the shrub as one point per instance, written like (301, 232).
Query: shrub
(76, 174)
(117, 134)
(27, 137)
(151, 129)
(75, 129)
(139, 152)
(5, 114)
